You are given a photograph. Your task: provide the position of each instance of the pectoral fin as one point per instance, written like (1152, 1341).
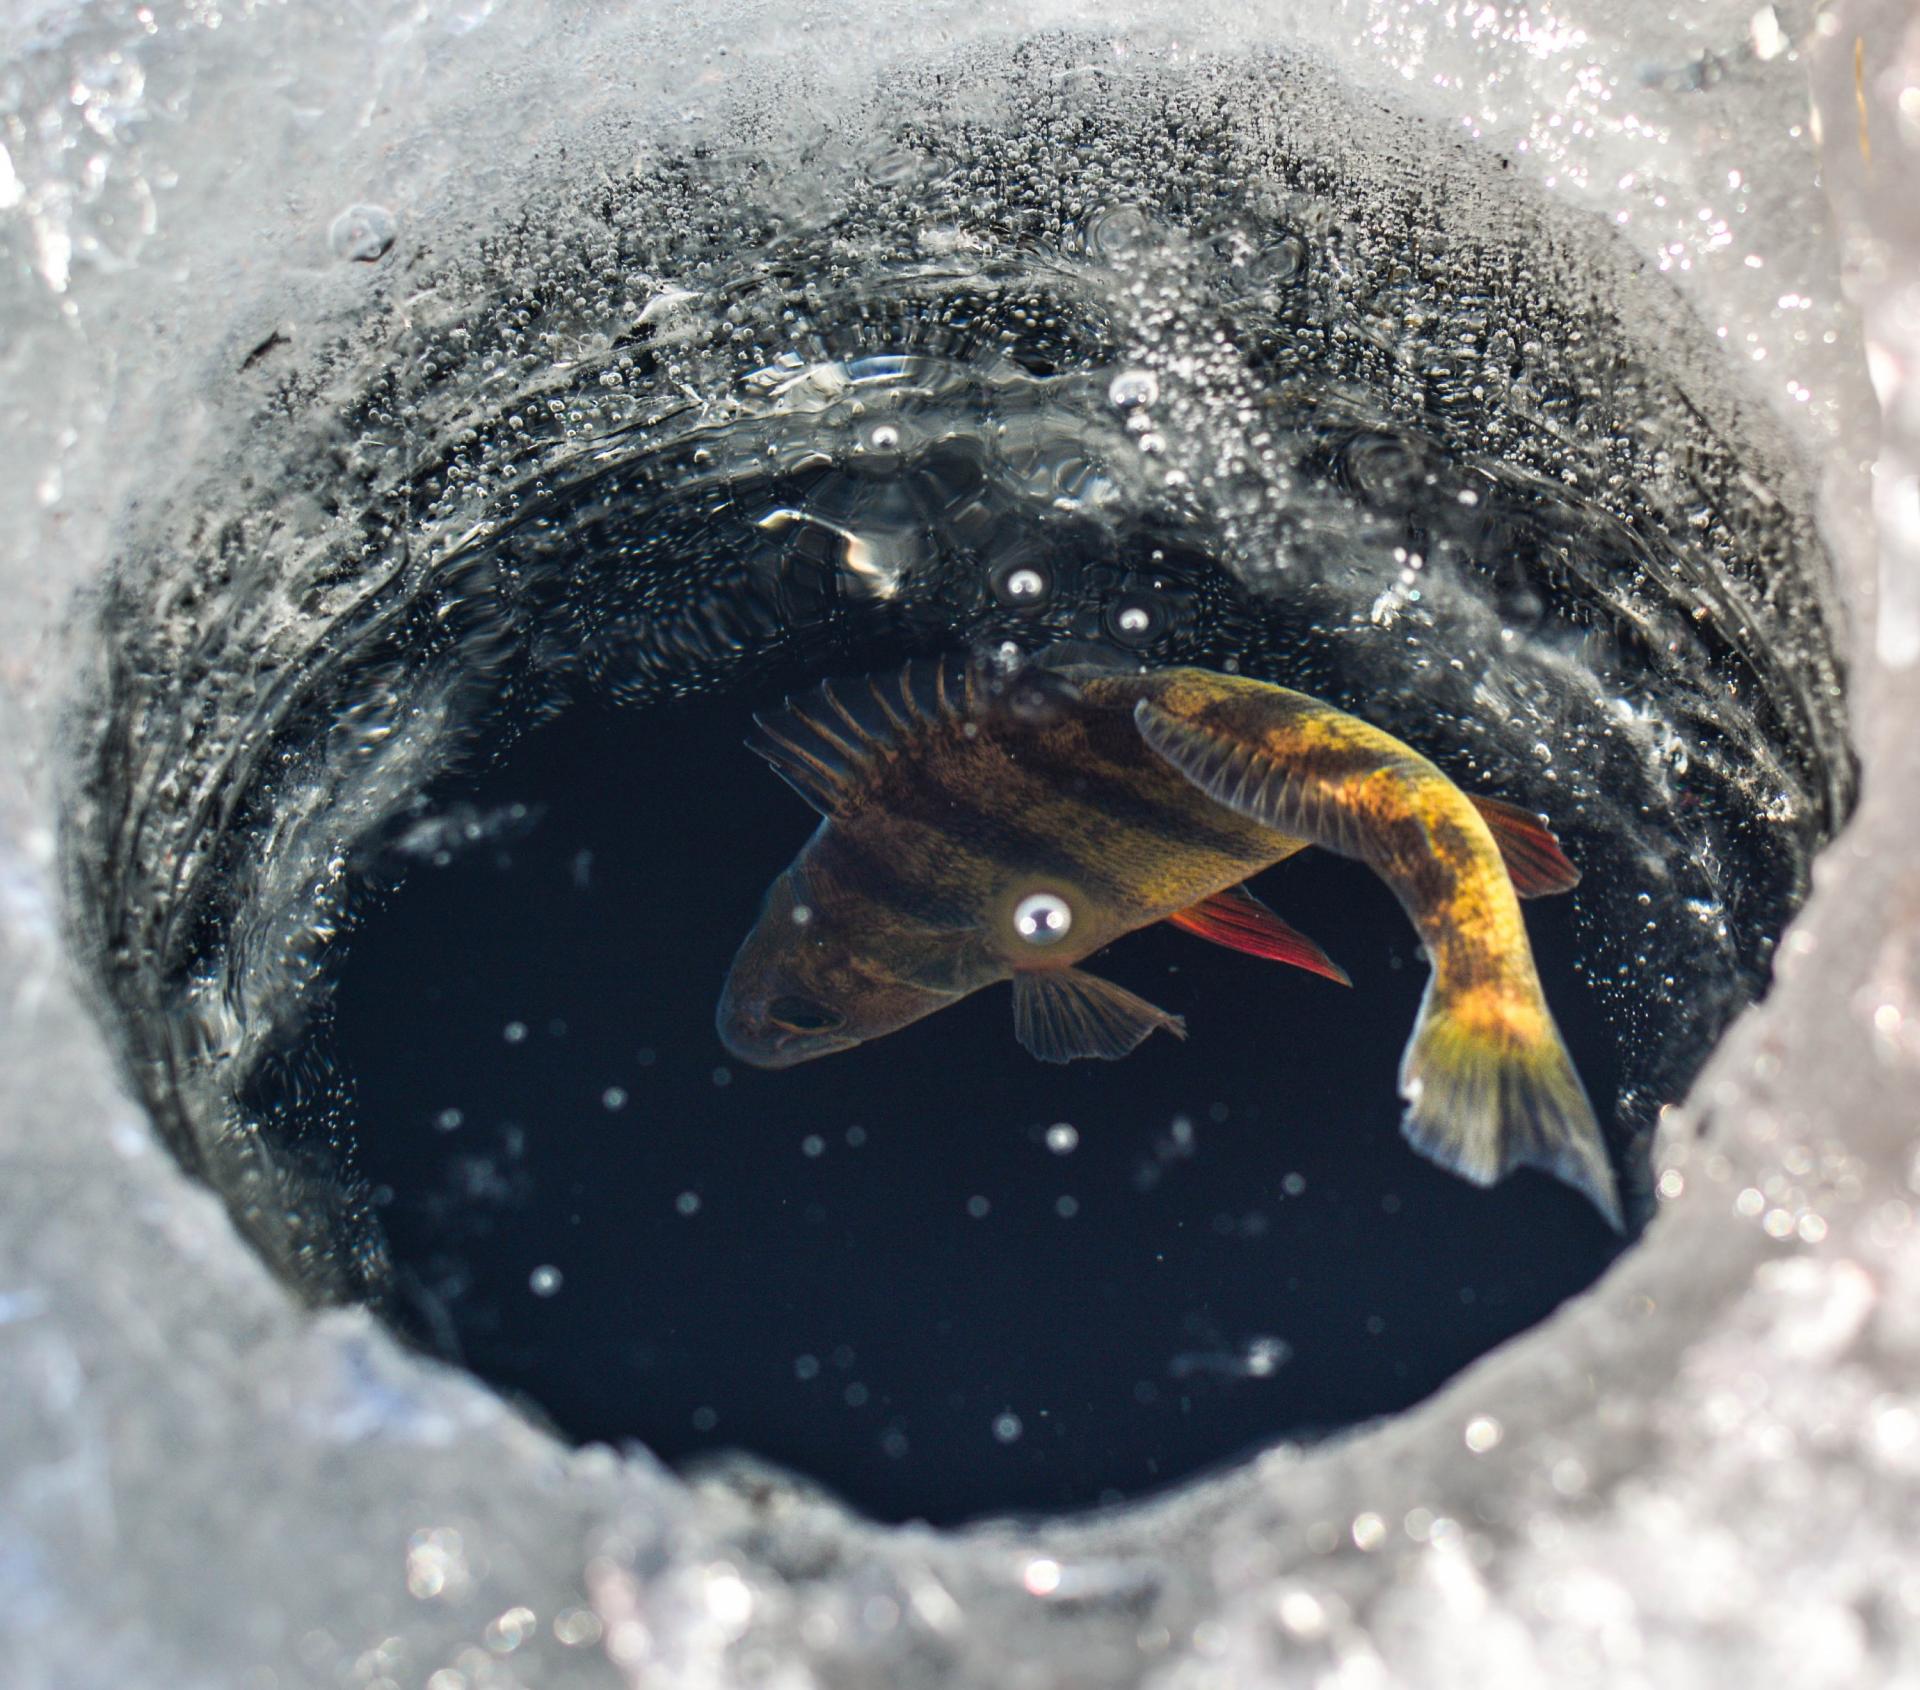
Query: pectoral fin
(1237, 919)
(1535, 863)
(1060, 1014)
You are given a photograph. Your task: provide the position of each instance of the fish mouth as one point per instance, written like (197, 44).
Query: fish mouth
(776, 1048)
(792, 1048)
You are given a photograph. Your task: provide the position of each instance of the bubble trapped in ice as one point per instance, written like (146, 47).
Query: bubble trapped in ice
(1310, 426)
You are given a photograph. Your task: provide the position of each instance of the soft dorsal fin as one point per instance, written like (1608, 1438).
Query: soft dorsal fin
(825, 743)
(1063, 1013)
(1241, 775)
(1237, 919)
(1536, 865)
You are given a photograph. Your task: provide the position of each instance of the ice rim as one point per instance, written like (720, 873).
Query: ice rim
(1702, 1471)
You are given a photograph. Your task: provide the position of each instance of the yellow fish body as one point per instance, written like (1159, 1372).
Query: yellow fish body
(978, 828)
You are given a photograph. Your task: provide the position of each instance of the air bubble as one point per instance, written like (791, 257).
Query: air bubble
(1118, 231)
(362, 234)
(1007, 1428)
(1131, 390)
(545, 1280)
(1024, 584)
(1280, 262)
(1135, 621)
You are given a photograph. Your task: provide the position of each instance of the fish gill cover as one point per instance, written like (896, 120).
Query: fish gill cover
(1221, 369)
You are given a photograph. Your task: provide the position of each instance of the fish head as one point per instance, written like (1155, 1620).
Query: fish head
(824, 970)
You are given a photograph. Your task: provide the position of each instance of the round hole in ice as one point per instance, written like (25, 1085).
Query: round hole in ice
(626, 479)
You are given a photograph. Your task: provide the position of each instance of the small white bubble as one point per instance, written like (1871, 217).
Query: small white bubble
(1672, 1183)
(979, 1208)
(806, 1367)
(1063, 1138)
(1066, 1207)
(362, 233)
(884, 438)
(577, 1628)
(1302, 1614)
(614, 1097)
(1294, 1184)
(1369, 1531)
(506, 1632)
(1483, 1432)
(813, 1145)
(688, 1202)
(1134, 619)
(1042, 1577)
(1025, 584)
(515, 1032)
(1266, 1356)
(802, 914)
(1007, 1427)
(449, 1121)
(1132, 389)
(545, 1280)
(729, 1598)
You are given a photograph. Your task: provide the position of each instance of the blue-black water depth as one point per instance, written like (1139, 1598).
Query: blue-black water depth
(931, 1274)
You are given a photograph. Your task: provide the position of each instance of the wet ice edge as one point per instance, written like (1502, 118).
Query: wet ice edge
(1704, 1471)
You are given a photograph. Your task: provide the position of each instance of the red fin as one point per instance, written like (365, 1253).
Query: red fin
(1237, 919)
(1535, 862)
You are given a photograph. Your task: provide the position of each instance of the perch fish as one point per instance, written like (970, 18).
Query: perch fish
(978, 827)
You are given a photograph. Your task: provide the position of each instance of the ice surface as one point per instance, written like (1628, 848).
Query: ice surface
(1704, 1471)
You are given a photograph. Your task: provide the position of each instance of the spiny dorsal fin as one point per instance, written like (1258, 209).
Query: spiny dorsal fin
(1536, 865)
(826, 743)
(1237, 919)
(1063, 1013)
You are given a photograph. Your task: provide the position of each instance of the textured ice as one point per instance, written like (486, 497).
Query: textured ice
(1705, 1471)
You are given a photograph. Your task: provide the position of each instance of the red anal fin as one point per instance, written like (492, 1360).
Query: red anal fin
(1237, 919)
(1535, 862)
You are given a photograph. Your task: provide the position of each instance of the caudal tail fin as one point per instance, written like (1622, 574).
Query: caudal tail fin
(1482, 1102)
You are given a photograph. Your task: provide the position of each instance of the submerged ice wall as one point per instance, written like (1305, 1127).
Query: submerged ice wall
(1701, 1472)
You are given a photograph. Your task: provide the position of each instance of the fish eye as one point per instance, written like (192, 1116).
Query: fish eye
(803, 1015)
(1042, 918)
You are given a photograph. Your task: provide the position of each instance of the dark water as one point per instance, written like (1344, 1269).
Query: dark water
(876, 1269)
